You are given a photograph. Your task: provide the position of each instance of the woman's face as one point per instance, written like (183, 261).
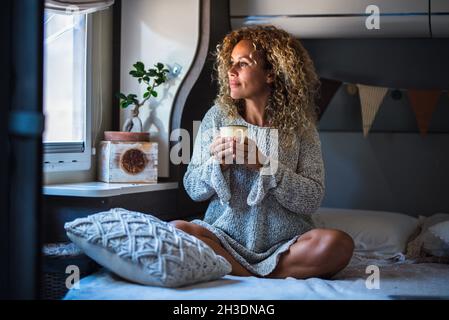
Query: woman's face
(247, 77)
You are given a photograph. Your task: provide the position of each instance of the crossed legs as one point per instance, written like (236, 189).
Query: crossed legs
(316, 253)
(213, 242)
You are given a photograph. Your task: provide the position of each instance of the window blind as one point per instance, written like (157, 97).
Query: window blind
(78, 6)
(64, 147)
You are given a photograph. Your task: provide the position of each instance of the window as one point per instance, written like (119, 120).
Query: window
(67, 136)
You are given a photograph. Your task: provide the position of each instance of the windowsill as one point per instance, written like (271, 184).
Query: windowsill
(102, 189)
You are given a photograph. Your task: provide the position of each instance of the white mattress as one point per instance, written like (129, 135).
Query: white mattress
(398, 280)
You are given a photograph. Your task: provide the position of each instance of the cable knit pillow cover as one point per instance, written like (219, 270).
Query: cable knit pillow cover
(146, 250)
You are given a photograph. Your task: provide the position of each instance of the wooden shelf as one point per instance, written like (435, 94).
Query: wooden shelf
(101, 189)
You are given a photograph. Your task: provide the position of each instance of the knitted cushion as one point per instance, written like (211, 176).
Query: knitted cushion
(144, 249)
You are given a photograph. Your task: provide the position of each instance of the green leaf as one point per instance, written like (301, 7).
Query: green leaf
(120, 95)
(139, 74)
(152, 72)
(139, 66)
(165, 71)
(146, 94)
(159, 66)
(125, 104)
(154, 93)
(140, 80)
(146, 78)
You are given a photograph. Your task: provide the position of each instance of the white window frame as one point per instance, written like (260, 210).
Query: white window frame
(60, 160)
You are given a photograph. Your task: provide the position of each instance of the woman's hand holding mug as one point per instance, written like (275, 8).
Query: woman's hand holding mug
(248, 154)
(222, 149)
(233, 146)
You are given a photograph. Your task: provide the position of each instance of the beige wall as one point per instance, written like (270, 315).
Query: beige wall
(153, 31)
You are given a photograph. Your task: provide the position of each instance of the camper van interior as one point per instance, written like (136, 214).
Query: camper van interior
(105, 105)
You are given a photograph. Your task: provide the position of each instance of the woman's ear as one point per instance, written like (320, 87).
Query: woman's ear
(270, 77)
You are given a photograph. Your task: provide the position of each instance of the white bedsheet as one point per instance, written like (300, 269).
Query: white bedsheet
(398, 280)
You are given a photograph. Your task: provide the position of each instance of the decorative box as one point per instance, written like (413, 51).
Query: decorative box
(128, 161)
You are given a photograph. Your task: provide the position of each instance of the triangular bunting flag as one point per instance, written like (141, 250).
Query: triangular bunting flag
(370, 100)
(423, 103)
(328, 90)
(351, 89)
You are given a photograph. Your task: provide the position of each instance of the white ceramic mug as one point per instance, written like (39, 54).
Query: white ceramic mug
(237, 131)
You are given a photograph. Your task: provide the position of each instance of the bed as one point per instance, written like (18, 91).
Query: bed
(388, 263)
(397, 281)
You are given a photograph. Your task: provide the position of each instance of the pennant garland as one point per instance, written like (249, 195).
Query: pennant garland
(351, 89)
(423, 102)
(370, 99)
(328, 90)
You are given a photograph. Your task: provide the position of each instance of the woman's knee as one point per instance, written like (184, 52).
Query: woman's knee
(192, 229)
(338, 244)
(185, 226)
(343, 240)
(327, 245)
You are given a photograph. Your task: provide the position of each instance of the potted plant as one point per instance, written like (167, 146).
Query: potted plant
(151, 78)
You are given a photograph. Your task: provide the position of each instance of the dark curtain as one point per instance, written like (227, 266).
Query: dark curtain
(21, 126)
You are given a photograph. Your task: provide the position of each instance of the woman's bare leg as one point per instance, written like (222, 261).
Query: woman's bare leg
(208, 237)
(316, 253)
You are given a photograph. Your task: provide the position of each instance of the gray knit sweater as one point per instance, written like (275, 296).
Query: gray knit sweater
(256, 216)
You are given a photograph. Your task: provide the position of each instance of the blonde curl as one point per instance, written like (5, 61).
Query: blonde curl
(291, 108)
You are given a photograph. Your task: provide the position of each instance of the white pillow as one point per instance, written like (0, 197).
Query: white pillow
(146, 250)
(427, 222)
(435, 235)
(373, 232)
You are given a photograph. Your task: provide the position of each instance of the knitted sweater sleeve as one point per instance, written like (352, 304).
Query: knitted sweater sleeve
(204, 177)
(299, 191)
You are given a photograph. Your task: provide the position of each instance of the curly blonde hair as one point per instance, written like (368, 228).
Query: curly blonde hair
(291, 107)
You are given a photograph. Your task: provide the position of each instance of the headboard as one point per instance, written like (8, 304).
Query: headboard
(401, 172)
(394, 168)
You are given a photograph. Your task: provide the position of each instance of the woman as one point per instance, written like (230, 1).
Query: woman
(260, 221)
